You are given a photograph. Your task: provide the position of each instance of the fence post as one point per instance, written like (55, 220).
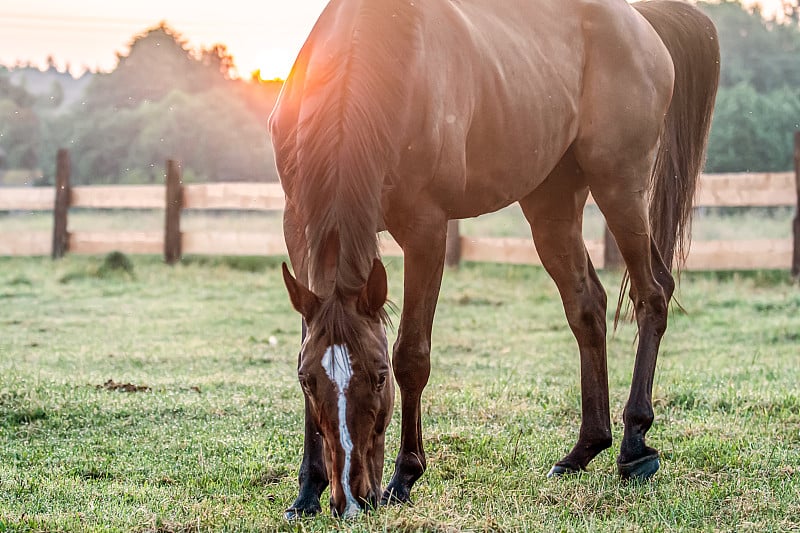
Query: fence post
(612, 258)
(452, 255)
(172, 226)
(796, 255)
(61, 206)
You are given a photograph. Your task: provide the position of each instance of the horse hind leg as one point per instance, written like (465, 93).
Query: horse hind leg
(637, 460)
(621, 196)
(555, 213)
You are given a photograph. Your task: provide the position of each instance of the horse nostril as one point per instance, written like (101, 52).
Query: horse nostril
(351, 510)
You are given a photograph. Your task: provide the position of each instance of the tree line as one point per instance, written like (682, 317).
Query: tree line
(758, 104)
(165, 100)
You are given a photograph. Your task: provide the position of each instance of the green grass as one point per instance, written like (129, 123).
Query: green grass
(215, 442)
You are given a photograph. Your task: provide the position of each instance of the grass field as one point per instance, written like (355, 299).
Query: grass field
(167, 401)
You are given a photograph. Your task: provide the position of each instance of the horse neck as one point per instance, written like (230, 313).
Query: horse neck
(340, 263)
(349, 129)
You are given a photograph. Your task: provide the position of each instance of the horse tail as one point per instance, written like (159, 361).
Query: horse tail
(691, 38)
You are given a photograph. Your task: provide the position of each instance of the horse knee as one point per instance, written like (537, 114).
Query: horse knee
(411, 363)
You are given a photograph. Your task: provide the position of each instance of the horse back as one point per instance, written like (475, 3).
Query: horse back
(482, 99)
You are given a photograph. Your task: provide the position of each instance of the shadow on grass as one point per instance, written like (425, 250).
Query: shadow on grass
(116, 266)
(254, 264)
(21, 417)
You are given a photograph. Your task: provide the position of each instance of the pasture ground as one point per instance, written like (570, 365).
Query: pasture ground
(167, 401)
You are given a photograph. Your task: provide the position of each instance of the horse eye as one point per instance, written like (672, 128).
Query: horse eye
(381, 382)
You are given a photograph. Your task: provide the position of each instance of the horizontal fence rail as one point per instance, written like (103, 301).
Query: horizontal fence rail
(714, 190)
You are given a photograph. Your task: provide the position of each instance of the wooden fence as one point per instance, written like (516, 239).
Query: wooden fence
(716, 190)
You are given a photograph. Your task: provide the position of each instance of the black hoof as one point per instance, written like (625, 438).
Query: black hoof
(296, 512)
(640, 469)
(291, 515)
(393, 496)
(562, 470)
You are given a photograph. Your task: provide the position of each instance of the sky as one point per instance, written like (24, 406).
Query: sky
(88, 34)
(260, 34)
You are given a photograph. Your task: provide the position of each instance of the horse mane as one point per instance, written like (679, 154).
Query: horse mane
(344, 140)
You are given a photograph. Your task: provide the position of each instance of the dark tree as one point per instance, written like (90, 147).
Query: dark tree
(761, 53)
(158, 63)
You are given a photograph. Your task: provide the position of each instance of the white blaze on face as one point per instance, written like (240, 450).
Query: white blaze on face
(336, 363)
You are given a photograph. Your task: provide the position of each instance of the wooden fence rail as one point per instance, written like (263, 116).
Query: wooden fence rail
(716, 190)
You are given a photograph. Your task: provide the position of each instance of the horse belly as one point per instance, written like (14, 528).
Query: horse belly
(518, 133)
(508, 157)
(522, 118)
(495, 103)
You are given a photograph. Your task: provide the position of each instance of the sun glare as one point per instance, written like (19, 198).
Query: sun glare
(274, 63)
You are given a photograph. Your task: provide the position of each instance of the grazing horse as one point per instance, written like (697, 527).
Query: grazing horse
(404, 114)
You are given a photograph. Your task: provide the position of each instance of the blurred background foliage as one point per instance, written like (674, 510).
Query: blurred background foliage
(758, 104)
(163, 100)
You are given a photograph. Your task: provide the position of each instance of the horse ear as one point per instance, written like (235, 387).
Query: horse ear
(303, 300)
(374, 294)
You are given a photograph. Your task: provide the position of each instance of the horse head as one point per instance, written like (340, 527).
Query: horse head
(345, 373)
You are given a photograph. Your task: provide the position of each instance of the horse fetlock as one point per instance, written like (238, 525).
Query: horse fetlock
(597, 445)
(636, 460)
(580, 456)
(410, 466)
(638, 419)
(313, 481)
(633, 448)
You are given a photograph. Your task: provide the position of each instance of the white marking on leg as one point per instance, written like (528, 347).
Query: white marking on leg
(336, 363)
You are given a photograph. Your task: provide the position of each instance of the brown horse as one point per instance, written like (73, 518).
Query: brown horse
(403, 114)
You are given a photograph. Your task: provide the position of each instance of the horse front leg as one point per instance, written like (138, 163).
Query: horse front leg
(313, 475)
(423, 244)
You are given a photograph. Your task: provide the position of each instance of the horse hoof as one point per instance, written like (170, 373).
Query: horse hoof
(640, 469)
(294, 514)
(561, 470)
(392, 497)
